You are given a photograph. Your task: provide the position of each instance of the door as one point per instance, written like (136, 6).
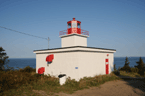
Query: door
(107, 66)
(107, 69)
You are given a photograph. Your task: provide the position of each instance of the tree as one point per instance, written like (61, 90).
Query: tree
(126, 62)
(115, 67)
(140, 66)
(4, 60)
(126, 67)
(116, 72)
(119, 68)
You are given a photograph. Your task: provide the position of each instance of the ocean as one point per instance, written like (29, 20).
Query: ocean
(23, 62)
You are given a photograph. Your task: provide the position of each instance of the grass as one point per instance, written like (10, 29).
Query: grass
(27, 82)
(130, 74)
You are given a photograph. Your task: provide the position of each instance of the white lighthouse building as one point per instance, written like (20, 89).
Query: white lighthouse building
(74, 58)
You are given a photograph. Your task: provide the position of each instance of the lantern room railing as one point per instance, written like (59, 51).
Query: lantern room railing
(84, 32)
(64, 32)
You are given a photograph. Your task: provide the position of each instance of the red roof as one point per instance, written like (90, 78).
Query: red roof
(76, 20)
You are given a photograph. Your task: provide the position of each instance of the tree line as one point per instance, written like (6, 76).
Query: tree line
(139, 68)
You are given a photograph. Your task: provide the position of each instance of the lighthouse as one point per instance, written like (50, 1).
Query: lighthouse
(75, 59)
(73, 36)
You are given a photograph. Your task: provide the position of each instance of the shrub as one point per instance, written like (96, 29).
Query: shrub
(71, 83)
(116, 72)
(82, 84)
(53, 82)
(34, 70)
(119, 68)
(141, 72)
(126, 68)
(13, 79)
(134, 70)
(38, 75)
(27, 69)
(115, 67)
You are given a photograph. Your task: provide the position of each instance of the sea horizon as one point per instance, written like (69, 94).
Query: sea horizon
(23, 62)
(114, 57)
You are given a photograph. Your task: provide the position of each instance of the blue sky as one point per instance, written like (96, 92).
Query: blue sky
(112, 24)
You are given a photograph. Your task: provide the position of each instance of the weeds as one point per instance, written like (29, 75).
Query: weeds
(19, 81)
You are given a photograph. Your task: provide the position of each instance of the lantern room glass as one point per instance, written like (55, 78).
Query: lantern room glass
(69, 25)
(74, 25)
(78, 25)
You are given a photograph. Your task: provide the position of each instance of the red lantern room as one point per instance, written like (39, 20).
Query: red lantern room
(73, 26)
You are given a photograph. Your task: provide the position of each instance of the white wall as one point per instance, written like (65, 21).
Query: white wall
(40, 61)
(89, 64)
(111, 62)
(73, 40)
(63, 63)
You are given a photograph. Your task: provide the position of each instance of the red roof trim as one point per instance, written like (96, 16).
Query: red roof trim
(68, 22)
(78, 21)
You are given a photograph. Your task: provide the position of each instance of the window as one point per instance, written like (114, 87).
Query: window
(78, 25)
(74, 25)
(69, 25)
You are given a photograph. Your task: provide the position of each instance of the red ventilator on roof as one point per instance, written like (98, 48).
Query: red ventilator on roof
(49, 58)
(41, 70)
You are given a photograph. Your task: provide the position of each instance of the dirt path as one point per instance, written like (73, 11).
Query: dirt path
(129, 87)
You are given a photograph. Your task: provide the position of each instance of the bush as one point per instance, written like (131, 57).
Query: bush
(126, 68)
(71, 83)
(115, 67)
(134, 70)
(119, 68)
(13, 79)
(27, 69)
(38, 75)
(52, 82)
(116, 72)
(141, 72)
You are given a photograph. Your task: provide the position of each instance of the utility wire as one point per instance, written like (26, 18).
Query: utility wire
(24, 33)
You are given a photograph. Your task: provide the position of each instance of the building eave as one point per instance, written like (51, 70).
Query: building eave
(75, 48)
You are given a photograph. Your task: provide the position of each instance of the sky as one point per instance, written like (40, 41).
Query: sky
(112, 24)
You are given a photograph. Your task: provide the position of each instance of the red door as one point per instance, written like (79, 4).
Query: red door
(107, 66)
(107, 69)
